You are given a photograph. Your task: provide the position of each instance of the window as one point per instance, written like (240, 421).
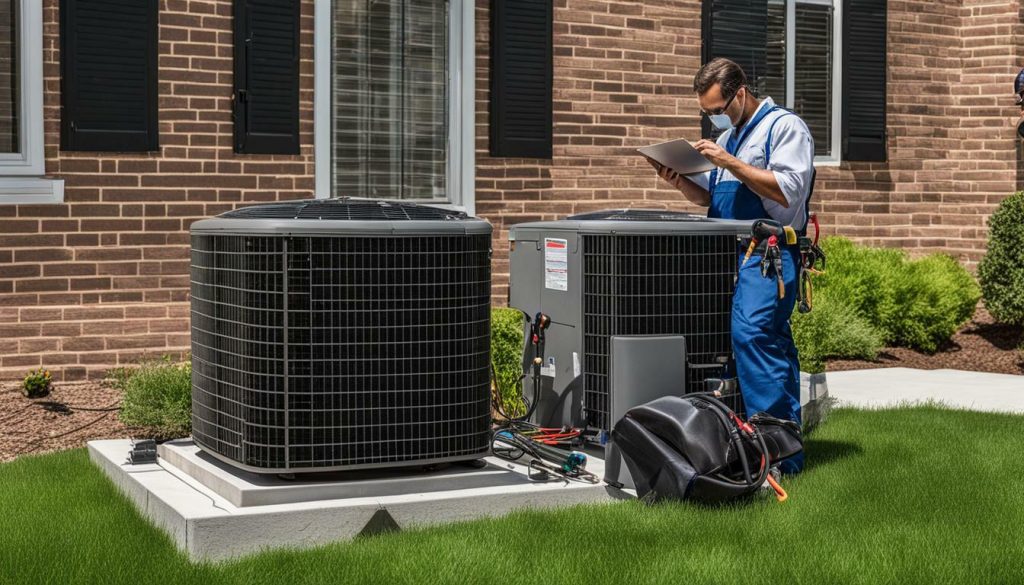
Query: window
(21, 106)
(400, 108)
(803, 65)
(10, 116)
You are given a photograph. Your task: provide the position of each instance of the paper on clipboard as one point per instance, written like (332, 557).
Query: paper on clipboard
(678, 155)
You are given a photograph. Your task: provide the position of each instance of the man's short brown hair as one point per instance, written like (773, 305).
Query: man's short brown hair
(722, 71)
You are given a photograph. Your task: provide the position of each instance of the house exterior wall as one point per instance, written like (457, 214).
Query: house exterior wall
(102, 279)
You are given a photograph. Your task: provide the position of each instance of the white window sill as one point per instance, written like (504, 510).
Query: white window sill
(826, 161)
(28, 190)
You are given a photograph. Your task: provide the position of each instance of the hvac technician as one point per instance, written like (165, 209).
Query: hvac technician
(765, 160)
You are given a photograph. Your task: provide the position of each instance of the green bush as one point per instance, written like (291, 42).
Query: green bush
(158, 395)
(507, 355)
(1001, 270)
(872, 297)
(935, 296)
(833, 329)
(865, 279)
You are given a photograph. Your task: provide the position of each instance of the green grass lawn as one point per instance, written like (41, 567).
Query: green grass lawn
(914, 495)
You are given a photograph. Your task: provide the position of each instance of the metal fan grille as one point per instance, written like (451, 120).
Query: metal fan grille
(638, 215)
(656, 285)
(345, 209)
(341, 352)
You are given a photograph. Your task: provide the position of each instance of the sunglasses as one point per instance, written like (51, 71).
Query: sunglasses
(722, 109)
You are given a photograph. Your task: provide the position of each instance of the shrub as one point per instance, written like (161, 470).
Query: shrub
(935, 296)
(36, 383)
(158, 395)
(865, 279)
(833, 329)
(507, 355)
(872, 297)
(1001, 270)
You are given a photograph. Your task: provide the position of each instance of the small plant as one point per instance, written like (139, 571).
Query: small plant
(157, 395)
(1001, 271)
(507, 355)
(37, 383)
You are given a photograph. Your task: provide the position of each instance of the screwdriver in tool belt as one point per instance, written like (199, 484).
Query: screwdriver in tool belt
(777, 262)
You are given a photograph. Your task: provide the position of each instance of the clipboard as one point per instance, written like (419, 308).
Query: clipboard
(678, 155)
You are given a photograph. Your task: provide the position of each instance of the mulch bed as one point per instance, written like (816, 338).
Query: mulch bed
(77, 412)
(982, 345)
(71, 415)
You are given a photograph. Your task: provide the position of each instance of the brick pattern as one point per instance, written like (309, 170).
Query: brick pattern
(623, 79)
(103, 279)
(953, 150)
(623, 74)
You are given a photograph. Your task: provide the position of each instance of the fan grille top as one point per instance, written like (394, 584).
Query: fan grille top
(345, 209)
(637, 215)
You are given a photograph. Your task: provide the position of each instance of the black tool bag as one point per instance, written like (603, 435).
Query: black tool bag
(694, 447)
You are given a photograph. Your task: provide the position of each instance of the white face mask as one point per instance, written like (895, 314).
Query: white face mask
(720, 121)
(723, 121)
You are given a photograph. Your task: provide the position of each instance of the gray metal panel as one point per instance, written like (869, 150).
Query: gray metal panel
(312, 227)
(528, 293)
(643, 368)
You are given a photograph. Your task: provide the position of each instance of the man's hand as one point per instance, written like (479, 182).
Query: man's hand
(693, 192)
(715, 153)
(673, 178)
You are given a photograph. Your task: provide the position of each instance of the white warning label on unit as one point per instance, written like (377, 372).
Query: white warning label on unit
(556, 264)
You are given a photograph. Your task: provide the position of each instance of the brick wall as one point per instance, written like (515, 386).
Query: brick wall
(623, 79)
(103, 278)
(623, 75)
(952, 140)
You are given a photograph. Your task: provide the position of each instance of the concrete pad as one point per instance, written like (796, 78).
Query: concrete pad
(886, 387)
(244, 489)
(208, 526)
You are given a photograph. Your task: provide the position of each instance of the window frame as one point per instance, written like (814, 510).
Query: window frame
(835, 158)
(21, 174)
(461, 172)
(30, 81)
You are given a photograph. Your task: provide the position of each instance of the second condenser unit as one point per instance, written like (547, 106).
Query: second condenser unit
(623, 273)
(341, 334)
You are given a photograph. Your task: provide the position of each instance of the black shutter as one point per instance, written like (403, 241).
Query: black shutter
(864, 30)
(266, 94)
(521, 72)
(109, 75)
(736, 30)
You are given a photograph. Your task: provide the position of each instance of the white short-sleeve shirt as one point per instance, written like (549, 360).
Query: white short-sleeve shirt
(791, 160)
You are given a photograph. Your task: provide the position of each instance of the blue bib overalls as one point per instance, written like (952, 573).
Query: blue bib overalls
(766, 357)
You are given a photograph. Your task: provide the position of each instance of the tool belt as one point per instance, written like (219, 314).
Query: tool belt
(762, 247)
(767, 240)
